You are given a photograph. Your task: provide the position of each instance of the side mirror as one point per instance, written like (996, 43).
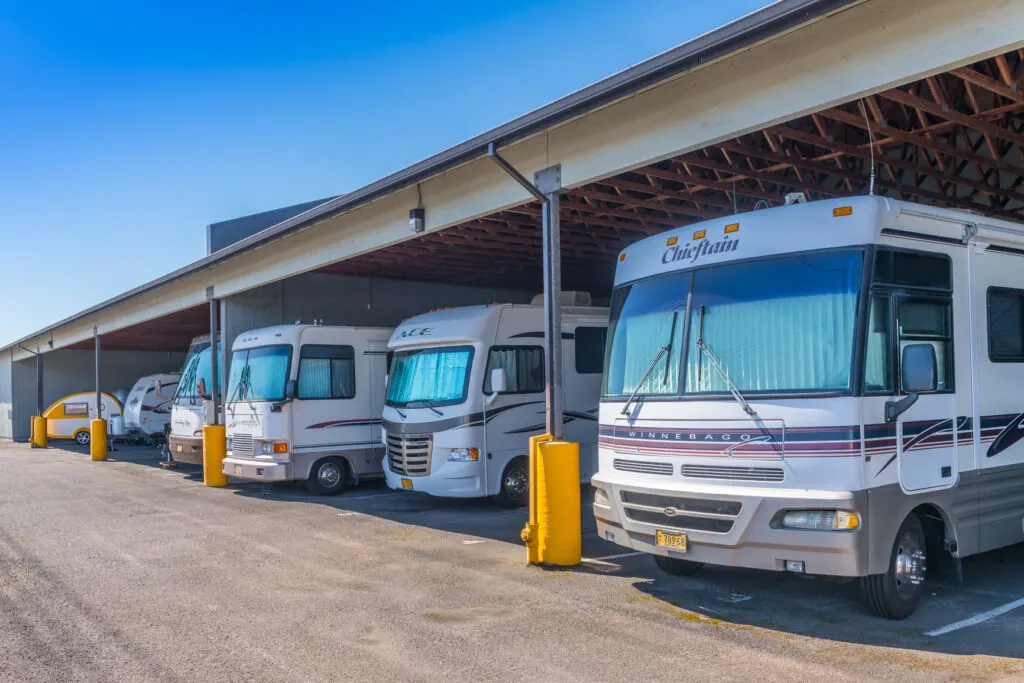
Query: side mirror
(158, 386)
(201, 386)
(499, 381)
(291, 389)
(918, 374)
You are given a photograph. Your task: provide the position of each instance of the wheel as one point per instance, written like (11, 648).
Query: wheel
(82, 438)
(515, 485)
(895, 594)
(327, 478)
(150, 441)
(676, 566)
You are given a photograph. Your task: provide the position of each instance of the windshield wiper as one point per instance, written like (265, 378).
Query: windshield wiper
(430, 404)
(650, 368)
(720, 369)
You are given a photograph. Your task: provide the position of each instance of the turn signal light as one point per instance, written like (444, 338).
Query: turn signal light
(842, 211)
(281, 447)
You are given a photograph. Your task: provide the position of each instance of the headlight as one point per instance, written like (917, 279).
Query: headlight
(601, 498)
(821, 520)
(463, 455)
(276, 447)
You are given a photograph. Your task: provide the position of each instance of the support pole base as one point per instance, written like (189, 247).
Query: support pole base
(215, 446)
(98, 439)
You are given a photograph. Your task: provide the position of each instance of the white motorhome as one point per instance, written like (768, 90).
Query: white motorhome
(304, 403)
(191, 403)
(829, 388)
(147, 408)
(466, 393)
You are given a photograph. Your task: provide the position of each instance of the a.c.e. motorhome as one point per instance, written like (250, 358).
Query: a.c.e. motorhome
(466, 393)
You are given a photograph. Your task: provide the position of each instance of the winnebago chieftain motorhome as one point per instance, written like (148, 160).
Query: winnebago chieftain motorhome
(466, 393)
(304, 403)
(191, 403)
(831, 388)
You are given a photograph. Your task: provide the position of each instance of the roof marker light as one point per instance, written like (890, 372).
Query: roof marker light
(700, 234)
(732, 227)
(842, 211)
(622, 256)
(670, 241)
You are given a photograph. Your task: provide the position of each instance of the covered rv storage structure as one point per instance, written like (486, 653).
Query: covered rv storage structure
(799, 97)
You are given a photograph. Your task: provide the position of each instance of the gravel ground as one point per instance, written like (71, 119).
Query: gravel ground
(124, 571)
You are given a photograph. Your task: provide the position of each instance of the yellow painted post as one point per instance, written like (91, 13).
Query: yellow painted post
(39, 438)
(98, 439)
(558, 503)
(215, 446)
(529, 532)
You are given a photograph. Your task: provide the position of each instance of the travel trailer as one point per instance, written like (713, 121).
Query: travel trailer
(828, 388)
(191, 403)
(304, 403)
(69, 417)
(466, 393)
(147, 409)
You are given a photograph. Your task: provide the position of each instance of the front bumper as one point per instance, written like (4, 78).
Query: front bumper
(450, 480)
(733, 525)
(256, 470)
(186, 449)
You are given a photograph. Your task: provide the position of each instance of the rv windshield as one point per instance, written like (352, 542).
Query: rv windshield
(197, 365)
(439, 377)
(777, 325)
(259, 374)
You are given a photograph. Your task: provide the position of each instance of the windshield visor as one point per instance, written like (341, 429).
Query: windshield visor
(777, 325)
(436, 376)
(259, 374)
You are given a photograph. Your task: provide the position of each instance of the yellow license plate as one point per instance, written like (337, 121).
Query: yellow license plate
(673, 541)
(407, 484)
(238, 469)
(179, 448)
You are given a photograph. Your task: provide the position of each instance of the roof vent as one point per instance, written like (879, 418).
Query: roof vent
(569, 298)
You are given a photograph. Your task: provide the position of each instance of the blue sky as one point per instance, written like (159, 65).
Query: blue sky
(127, 127)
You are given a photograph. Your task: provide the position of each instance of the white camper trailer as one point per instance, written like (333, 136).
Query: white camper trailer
(69, 417)
(466, 393)
(191, 404)
(829, 388)
(147, 409)
(304, 403)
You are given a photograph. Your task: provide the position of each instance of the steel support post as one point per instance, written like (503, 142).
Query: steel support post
(99, 397)
(548, 181)
(214, 370)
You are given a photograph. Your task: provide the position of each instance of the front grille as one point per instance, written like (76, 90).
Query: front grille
(733, 473)
(409, 455)
(643, 467)
(729, 508)
(241, 444)
(684, 522)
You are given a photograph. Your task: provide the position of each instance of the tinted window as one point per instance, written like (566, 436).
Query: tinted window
(327, 371)
(907, 269)
(523, 366)
(590, 349)
(72, 409)
(878, 355)
(928, 321)
(1005, 325)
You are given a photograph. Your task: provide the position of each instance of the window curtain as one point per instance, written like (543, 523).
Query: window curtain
(434, 376)
(524, 369)
(637, 341)
(343, 378)
(315, 378)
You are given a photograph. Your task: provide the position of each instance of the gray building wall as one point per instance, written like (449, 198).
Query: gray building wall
(6, 398)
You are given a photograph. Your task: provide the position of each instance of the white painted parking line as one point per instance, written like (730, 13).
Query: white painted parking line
(977, 618)
(347, 514)
(473, 542)
(603, 560)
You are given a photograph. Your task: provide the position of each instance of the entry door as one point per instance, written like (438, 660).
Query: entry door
(377, 370)
(926, 434)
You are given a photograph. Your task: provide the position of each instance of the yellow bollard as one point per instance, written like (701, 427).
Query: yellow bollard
(553, 533)
(39, 438)
(98, 439)
(215, 446)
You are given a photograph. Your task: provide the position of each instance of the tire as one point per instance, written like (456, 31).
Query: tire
(676, 566)
(895, 594)
(327, 477)
(515, 484)
(83, 438)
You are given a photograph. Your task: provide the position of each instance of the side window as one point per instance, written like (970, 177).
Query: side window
(76, 409)
(878, 354)
(1005, 325)
(590, 343)
(929, 321)
(326, 372)
(523, 365)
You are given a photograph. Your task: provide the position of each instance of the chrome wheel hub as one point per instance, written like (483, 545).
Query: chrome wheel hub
(517, 482)
(910, 565)
(329, 474)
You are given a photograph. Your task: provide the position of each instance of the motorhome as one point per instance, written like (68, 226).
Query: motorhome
(69, 417)
(147, 409)
(304, 403)
(829, 388)
(466, 393)
(191, 403)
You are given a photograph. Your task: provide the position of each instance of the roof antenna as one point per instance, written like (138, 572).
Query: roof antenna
(871, 141)
(734, 209)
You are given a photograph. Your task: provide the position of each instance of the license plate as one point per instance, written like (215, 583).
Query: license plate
(671, 541)
(238, 469)
(179, 448)
(407, 484)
